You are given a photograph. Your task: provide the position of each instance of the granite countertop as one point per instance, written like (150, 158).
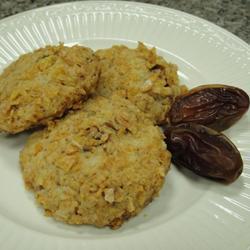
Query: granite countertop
(233, 15)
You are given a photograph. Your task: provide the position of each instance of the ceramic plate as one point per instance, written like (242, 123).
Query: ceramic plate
(191, 212)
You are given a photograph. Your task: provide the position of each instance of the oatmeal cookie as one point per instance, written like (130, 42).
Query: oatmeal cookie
(42, 85)
(142, 76)
(99, 165)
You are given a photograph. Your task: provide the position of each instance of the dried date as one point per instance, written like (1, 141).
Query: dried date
(215, 106)
(204, 151)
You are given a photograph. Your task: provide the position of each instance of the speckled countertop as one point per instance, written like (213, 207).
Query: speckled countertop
(233, 15)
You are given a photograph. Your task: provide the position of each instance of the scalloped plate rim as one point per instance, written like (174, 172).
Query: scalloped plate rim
(220, 29)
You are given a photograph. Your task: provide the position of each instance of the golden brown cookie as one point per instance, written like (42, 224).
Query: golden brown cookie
(142, 76)
(42, 85)
(100, 165)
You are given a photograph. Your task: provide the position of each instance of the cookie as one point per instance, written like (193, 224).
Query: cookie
(44, 84)
(141, 76)
(100, 165)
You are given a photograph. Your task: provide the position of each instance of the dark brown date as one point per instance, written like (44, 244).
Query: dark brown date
(215, 106)
(204, 151)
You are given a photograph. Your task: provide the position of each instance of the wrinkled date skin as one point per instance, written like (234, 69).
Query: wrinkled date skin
(215, 106)
(204, 151)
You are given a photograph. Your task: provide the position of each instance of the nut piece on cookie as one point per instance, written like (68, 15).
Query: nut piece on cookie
(44, 84)
(141, 76)
(100, 165)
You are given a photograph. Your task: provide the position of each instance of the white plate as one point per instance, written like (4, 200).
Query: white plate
(191, 212)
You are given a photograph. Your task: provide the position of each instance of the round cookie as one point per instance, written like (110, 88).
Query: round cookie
(42, 85)
(99, 165)
(141, 76)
